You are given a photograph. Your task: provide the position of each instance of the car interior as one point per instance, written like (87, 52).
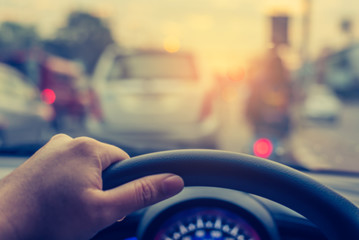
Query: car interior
(253, 103)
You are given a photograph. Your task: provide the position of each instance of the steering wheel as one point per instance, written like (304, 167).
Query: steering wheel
(334, 215)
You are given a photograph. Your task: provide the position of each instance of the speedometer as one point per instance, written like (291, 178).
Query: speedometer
(203, 213)
(206, 223)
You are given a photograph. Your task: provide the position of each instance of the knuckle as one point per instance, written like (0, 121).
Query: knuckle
(145, 192)
(85, 145)
(60, 136)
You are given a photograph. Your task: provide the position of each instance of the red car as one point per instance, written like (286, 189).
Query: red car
(64, 85)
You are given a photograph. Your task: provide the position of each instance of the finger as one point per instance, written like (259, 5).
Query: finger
(107, 154)
(110, 154)
(120, 220)
(140, 193)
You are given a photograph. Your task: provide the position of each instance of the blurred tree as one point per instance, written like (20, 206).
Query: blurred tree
(20, 47)
(15, 37)
(83, 38)
(347, 27)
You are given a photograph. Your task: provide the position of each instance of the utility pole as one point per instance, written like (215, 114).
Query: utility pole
(304, 51)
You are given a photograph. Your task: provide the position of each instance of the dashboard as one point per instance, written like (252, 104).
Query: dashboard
(218, 214)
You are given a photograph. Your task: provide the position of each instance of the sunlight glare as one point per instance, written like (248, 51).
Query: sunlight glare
(171, 44)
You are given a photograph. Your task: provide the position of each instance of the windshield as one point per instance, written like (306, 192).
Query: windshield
(150, 66)
(277, 79)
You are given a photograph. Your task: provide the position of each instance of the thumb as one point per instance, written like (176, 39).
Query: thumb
(140, 193)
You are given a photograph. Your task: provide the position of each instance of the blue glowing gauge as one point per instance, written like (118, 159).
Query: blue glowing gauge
(206, 224)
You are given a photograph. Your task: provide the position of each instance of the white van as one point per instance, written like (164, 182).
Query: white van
(154, 98)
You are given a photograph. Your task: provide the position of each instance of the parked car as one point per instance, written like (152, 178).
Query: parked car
(62, 82)
(24, 117)
(341, 71)
(151, 97)
(321, 104)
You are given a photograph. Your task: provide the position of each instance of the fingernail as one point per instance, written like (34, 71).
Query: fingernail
(172, 185)
(120, 220)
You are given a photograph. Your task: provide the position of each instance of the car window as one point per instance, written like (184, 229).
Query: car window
(277, 79)
(151, 66)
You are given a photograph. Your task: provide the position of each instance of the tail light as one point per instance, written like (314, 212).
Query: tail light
(48, 96)
(263, 148)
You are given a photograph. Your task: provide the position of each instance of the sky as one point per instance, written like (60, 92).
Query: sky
(226, 33)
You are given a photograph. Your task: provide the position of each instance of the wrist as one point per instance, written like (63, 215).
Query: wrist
(16, 217)
(7, 227)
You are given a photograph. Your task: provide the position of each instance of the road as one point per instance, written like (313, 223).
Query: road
(314, 145)
(329, 145)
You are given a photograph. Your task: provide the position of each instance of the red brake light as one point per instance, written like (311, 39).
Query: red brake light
(48, 96)
(263, 148)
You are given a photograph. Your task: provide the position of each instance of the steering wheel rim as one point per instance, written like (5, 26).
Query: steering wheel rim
(334, 215)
